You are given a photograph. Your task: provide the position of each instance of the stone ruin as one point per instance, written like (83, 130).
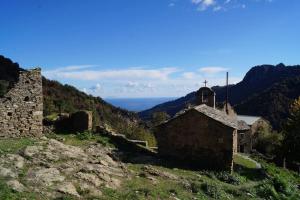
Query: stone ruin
(21, 108)
(79, 121)
(82, 121)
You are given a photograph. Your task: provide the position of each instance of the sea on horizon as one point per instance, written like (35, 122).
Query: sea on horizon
(138, 104)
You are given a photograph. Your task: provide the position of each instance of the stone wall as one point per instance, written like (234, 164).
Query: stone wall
(197, 139)
(245, 141)
(82, 121)
(79, 121)
(21, 109)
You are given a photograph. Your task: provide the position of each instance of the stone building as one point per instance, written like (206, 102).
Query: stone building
(21, 107)
(79, 121)
(246, 139)
(201, 135)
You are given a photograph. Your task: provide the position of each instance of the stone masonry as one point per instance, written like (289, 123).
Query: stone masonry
(21, 109)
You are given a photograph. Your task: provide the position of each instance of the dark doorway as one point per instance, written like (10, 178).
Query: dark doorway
(242, 148)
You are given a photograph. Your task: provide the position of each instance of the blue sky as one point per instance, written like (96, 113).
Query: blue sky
(148, 48)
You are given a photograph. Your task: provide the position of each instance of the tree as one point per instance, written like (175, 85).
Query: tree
(267, 141)
(291, 143)
(159, 117)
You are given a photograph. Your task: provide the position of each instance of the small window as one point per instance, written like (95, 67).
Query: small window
(220, 140)
(26, 99)
(9, 114)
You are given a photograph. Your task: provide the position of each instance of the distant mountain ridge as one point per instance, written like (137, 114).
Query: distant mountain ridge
(262, 85)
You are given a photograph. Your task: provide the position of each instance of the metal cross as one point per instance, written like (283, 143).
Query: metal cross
(205, 82)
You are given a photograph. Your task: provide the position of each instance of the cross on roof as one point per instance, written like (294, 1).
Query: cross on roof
(205, 82)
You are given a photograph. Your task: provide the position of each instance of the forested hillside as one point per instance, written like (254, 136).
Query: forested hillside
(266, 90)
(274, 102)
(8, 74)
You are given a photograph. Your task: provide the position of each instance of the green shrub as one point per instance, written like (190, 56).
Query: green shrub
(267, 191)
(86, 135)
(211, 190)
(196, 187)
(227, 178)
(281, 185)
(104, 141)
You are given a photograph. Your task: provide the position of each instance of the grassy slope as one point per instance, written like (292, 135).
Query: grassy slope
(245, 183)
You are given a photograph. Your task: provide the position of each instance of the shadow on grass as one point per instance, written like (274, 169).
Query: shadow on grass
(252, 174)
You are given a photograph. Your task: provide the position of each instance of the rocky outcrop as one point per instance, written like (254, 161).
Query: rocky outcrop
(54, 169)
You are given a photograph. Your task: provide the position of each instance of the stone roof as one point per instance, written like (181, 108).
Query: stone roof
(242, 125)
(217, 115)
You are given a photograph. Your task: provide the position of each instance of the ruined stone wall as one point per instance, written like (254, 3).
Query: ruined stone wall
(245, 141)
(21, 109)
(198, 139)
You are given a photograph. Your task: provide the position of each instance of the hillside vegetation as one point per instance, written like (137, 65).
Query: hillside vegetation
(8, 74)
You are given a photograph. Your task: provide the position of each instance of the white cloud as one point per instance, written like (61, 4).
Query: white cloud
(217, 5)
(213, 70)
(217, 8)
(121, 74)
(204, 4)
(132, 84)
(189, 75)
(96, 88)
(171, 4)
(139, 82)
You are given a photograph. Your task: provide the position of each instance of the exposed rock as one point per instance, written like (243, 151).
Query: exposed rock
(12, 160)
(115, 183)
(154, 172)
(68, 188)
(6, 172)
(30, 151)
(45, 176)
(52, 169)
(91, 190)
(16, 185)
(96, 193)
(90, 178)
(17, 160)
(66, 151)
